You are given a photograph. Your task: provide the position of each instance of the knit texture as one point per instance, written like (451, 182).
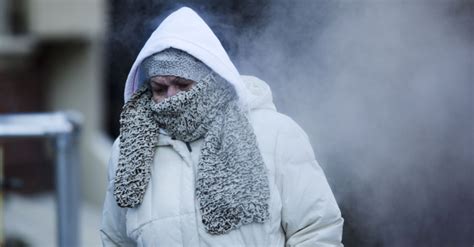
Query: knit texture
(232, 184)
(231, 181)
(176, 63)
(138, 142)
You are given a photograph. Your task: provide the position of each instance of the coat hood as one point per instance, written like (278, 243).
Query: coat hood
(185, 30)
(259, 93)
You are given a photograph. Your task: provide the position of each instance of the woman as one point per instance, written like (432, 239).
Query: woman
(204, 158)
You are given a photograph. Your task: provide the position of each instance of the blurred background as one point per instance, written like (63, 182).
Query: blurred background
(384, 89)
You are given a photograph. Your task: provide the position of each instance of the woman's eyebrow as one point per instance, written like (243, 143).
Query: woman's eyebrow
(156, 83)
(182, 81)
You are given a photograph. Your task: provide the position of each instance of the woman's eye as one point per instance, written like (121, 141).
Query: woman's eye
(159, 90)
(185, 87)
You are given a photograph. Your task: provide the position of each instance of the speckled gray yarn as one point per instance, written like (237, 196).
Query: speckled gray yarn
(184, 116)
(171, 62)
(138, 141)
(139, 130)
(232, 184)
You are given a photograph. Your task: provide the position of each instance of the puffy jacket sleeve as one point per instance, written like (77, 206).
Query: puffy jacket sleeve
(310, 214)
(113, 229)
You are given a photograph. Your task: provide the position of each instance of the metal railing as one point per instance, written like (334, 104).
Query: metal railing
(63, 128)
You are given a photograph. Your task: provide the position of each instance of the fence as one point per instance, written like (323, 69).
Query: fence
(63, 128)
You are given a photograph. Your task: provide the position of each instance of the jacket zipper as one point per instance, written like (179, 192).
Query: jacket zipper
(187, 144)
(189, 147)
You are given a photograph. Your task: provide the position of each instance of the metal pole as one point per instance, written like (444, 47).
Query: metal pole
(67, 202)
(2, 230)
(64, 129)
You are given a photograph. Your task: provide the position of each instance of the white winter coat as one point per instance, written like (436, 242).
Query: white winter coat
(303, 211)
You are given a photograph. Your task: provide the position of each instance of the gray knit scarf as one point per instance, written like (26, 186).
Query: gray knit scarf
(231, 182)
